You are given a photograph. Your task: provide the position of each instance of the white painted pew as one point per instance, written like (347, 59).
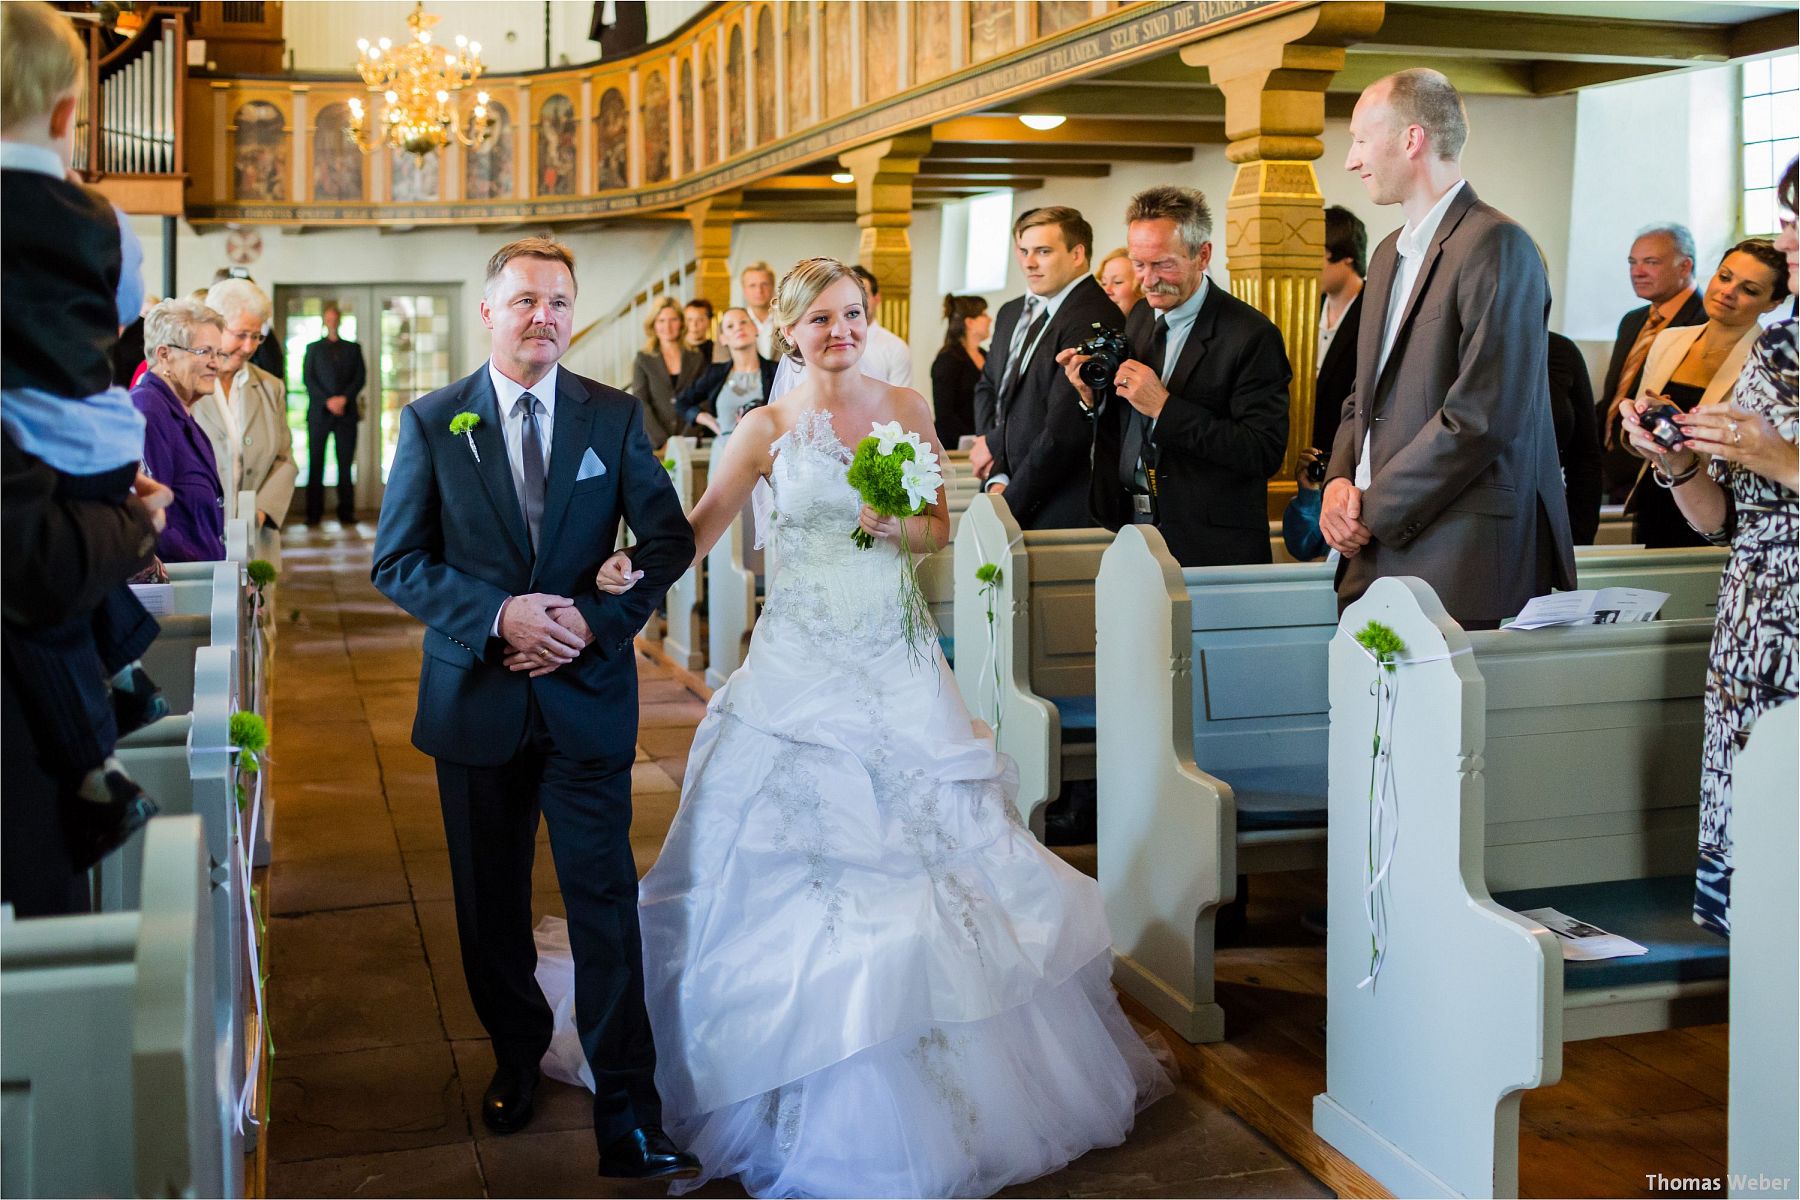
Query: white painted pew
(113, 1086)
(1043, 638)
(1211, 740)
(1556, 768)
(209, 611)
(683, 632)
(1764, 1108)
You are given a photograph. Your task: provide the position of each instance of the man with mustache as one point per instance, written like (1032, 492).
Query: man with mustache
(1196, 420)
(506, 494)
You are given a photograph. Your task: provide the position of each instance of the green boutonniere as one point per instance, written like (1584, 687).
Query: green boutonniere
(465, 423)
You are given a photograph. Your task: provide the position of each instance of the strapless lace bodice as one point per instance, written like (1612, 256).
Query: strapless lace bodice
(823, 586)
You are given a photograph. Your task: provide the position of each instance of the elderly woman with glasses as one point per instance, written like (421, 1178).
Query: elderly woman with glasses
(182, 347)
(245, 415)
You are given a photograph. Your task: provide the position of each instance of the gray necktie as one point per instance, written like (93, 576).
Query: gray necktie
(532, 442)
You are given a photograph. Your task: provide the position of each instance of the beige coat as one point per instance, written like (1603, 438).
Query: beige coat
(265, 449)
(1672, 345)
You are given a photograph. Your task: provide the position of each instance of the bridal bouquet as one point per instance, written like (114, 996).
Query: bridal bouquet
(897, 475)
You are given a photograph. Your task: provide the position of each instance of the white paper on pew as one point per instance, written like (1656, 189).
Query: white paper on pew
(158, 599)
(1580, 941)
(1605, 606)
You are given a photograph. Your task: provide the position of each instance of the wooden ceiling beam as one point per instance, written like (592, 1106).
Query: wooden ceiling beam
(1112, 100)
(802, 183)
(1558, 78)
(981, 168)
(1080, 130)
(1550, 36)
(981, 181)
(1765, 35)
(1043, 152)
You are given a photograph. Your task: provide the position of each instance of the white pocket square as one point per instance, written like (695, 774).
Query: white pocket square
(591, 466)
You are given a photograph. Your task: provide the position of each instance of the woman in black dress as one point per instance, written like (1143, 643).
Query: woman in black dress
(957, 367)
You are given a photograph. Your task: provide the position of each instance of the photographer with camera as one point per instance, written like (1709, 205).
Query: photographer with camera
(1034, 444)
(1193, 419)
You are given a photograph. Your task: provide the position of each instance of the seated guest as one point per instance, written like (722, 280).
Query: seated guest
(1340, 320)
(1734, 476)
(1577, 438)
(182, 339)
(1119, 281)
(726, 390)
(1662, 273)
(957, 368)
(1197, 417)
(697, 321)
(245, 415)
(1698, 364)
(663, 368)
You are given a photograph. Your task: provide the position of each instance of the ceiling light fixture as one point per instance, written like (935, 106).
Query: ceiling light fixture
(843, 177)
(421, 85)
(1042, 122)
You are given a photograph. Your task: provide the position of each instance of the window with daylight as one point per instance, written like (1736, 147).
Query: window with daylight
(1770, 121)
(976, 244)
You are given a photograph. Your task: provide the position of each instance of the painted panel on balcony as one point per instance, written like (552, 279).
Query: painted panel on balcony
(881, 49)
(556, 149)
(991, 29)
(337, 165)
(1054, 16)
(799, 14)
(656, 128)
(734, 90)
(763, 78)
(840, 46)
(612, 134)
(688, 130)
(930, 41)
(709, 96)
(260, 169)
(488, 168)
(415, 178)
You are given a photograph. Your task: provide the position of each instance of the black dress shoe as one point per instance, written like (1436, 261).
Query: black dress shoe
(647, 1153)
(506, 1106)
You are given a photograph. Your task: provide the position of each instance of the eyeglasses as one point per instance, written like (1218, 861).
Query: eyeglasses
(211, 355)
(256, 338)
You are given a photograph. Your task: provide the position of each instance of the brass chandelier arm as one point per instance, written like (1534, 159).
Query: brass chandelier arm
(419, 85)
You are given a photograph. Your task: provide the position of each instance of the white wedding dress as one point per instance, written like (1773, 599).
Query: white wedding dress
(864, 976)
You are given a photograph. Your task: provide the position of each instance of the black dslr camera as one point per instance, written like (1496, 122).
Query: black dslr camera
(1315, 470)
(1106, 349)
(1659, 423)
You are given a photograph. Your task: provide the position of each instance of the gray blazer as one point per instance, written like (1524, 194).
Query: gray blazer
(1466, 492)
(650, 384)
(265, 447)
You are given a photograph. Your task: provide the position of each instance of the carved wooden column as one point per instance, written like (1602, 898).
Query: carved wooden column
(884, 173)
(712, 220)
(1274, 76)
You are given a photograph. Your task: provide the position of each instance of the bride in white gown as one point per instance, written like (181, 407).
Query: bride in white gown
(864, 976)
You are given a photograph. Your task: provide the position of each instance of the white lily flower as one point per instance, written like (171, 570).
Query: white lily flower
(921, 483)
(887, 437)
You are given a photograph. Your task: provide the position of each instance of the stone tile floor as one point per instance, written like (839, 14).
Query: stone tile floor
(380, 1061)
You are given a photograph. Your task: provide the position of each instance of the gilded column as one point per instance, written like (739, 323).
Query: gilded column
(884, 173)
(712, 220)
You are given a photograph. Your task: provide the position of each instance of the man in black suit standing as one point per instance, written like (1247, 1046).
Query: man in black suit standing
(1662, 274)
(1197, 418)
(1034, 445)
(490, 534)
(334, 375)
(1340, 320)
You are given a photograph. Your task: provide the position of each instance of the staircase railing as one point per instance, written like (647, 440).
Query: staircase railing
(605, 348)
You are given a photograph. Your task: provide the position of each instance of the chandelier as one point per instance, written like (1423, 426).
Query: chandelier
(420, 83)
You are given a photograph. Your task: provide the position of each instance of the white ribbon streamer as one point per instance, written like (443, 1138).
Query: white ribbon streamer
(990, 661)
(244, 843)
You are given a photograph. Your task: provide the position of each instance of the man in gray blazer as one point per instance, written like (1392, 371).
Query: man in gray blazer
(1445, 463)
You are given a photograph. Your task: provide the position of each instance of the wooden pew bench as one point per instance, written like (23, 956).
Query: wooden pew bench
(1043, 638)
(1212, 741)
(1557, 767)
(684, 632)
(113, 1085)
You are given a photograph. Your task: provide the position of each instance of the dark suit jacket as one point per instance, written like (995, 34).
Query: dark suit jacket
(333, 369)
(1042, 442)
(1337, 377)
(1619, 466)
(702, 395)
(954, 378)
(60, 260)
(1466, 492)
(452, 545)
(650, 383)
(1577, 438)
(1221, 435)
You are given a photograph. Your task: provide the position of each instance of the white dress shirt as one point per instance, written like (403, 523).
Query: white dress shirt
(765, 333)
(230, 396)
(1411, 246)
(885, 357)
(1051, 304)
(512, 429)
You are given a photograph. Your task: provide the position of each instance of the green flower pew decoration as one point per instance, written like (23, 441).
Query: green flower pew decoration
(990, 576)
(1387, 649)
(464, 423)
(250, 738)
(261, 572)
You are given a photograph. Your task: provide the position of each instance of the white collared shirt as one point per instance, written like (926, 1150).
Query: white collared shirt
(230, 397)
(765, 332)
(512, 430)
(22, 156)
(1180, 321)
(1413, 242)
(1051, 304)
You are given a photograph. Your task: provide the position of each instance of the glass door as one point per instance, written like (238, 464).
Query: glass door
(417, 357)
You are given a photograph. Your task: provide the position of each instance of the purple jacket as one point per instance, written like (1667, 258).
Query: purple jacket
(178, 455)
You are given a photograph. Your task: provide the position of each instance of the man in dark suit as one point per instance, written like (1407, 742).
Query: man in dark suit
(1340, 319)
(1034, 445)
(334, 374)
(1662, 273)
(1445, 465)
(528, 693)
(1197, 418)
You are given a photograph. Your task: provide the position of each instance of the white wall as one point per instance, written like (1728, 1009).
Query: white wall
(322, 33)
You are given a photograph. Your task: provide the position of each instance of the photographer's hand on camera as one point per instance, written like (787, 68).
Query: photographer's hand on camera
(1311, 473)
(1141, 387)
(1673, 463)
(1070, 360)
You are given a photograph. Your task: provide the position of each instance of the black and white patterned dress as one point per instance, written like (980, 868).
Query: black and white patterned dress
(1751, 668)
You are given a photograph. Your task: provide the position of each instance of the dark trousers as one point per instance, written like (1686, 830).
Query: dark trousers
(61, 673)
(490, 822)
(342, 431)
(37, 874)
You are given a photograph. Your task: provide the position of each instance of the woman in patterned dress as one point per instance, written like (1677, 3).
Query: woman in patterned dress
(1736, 479)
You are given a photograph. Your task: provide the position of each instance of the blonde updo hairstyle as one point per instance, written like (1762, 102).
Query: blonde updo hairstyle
(797, 291)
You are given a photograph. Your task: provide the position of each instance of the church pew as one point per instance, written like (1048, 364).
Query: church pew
(209, 610)
(1552, 768)
(683, 633)
(1211, 740)
(1043, 636)
(1764, 1105)
(112, 1082)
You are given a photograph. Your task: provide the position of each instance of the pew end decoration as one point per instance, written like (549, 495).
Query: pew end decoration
(1385, 647)
(897, 475)
(991, 577)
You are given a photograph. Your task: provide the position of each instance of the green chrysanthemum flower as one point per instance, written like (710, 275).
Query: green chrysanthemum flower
(261, 571)
(1381, 641)
(989, 573)
(463, 422)
(250, 734)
